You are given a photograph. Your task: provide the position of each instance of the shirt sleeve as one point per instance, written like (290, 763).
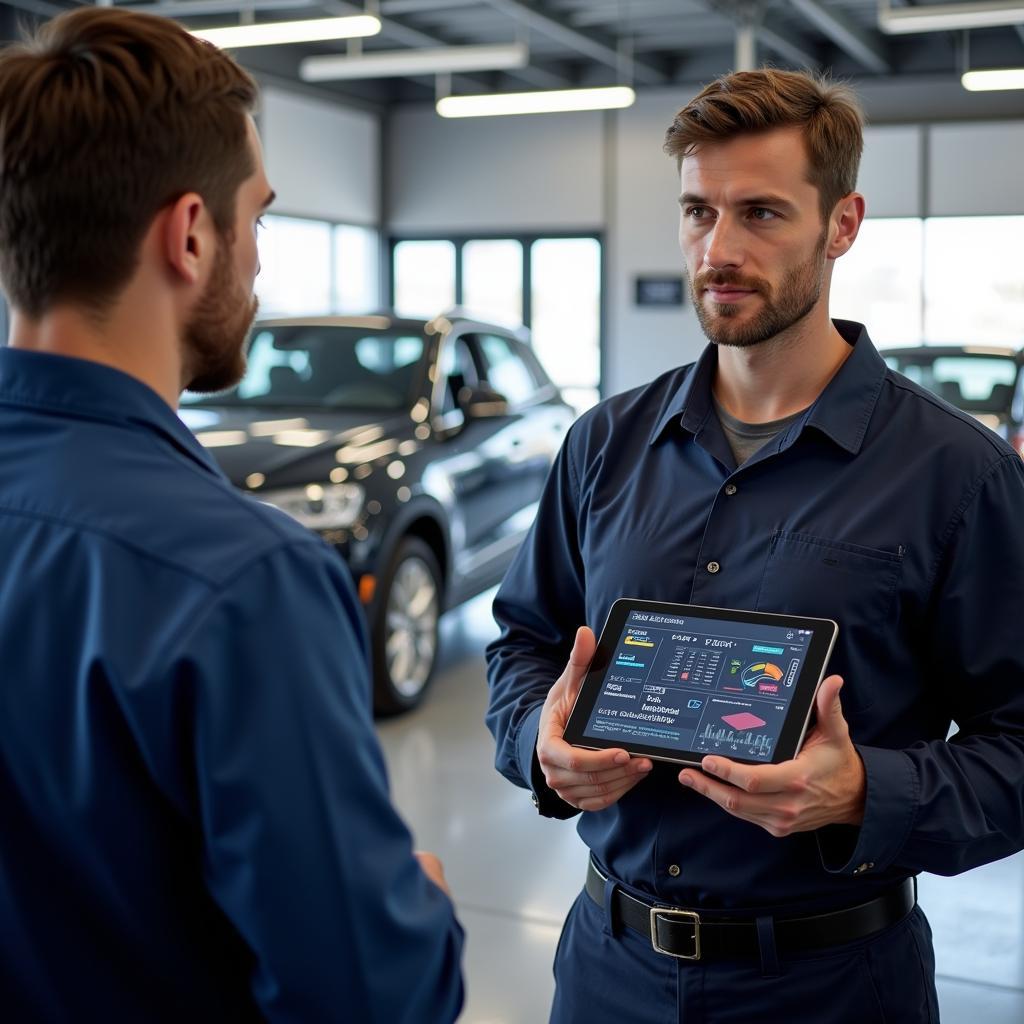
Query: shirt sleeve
(539, 607)
(946, 806)
(302, 848)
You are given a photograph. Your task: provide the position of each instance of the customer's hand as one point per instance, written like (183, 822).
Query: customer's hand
(588, 779)
(822, 785)
(433, 870)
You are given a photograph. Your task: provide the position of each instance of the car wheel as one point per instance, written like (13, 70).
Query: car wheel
(405, 628)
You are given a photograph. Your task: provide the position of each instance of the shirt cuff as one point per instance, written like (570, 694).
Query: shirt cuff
(891, 796)
(546, 800)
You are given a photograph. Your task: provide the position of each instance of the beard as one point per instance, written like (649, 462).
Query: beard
(215, 336)
(797, 295)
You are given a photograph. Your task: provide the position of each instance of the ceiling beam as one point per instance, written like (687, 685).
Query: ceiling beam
(39, 7)
(791, 46)
(865, 46)
(597, 46)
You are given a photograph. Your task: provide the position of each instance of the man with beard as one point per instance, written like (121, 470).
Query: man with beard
(787, 470)
(194, 816)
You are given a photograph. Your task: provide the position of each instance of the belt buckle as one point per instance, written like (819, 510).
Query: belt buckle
(691, 915)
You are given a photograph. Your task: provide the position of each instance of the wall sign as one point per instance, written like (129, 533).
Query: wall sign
(659, 291)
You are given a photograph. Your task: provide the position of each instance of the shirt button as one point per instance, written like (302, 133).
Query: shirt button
(674, 870)
(713, 567)
(730, 489)
(866, 866)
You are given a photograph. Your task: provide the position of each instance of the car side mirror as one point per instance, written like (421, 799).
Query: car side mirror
(482, 402)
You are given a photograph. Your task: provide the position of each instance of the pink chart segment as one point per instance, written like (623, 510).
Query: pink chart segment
(743, 720)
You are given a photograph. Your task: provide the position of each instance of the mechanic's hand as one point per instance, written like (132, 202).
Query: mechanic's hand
(588, 779)
(433, 870)
(822, 785)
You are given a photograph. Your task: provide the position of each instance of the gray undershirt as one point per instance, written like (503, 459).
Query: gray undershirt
(747, 438)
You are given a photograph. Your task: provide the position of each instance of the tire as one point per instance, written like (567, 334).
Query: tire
(404, 635)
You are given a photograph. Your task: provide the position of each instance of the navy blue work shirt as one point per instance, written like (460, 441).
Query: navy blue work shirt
(194, 816)
(880, 507)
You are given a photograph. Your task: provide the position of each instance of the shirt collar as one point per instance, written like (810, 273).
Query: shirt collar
(842, 411)
(89, 390)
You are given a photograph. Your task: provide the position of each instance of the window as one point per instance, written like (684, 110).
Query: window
(553, 285)
(459, 371)
(878, 282)
(492, 280)
(324, 365)
(314, 268)
(295, 267)
(566, 303)
(506, 371)
(356, 269)
(973, 285)
(424, 278)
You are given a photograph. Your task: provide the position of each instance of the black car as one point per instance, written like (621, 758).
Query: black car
(417, 450)
(986, 381)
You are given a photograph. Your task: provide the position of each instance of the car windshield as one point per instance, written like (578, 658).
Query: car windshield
(976, 383)
(326, 366)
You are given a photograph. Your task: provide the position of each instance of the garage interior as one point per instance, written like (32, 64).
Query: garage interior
(382, 202)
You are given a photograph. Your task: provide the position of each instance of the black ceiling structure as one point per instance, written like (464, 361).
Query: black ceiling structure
(647, 43)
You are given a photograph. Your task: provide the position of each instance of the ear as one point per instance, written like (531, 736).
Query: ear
(187, 237)
(844, 225)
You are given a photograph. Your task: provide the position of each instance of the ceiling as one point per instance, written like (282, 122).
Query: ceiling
(594, 42)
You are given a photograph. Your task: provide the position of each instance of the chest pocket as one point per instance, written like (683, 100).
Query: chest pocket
(851, 584)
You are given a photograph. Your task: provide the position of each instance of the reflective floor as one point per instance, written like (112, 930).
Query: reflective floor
(514, 874)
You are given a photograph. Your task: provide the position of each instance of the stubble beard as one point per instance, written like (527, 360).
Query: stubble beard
(215, 336)
(798, 294)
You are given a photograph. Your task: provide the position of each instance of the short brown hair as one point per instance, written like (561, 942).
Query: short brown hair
(749, 102)
(106, 116)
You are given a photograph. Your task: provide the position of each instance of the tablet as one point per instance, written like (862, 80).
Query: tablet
(676, 682)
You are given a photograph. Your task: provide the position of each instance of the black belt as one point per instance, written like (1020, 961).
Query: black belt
(689, 935)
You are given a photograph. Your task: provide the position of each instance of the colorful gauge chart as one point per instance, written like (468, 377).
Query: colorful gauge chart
(762, 672)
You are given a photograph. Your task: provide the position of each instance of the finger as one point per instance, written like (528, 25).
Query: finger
(829, 710)
(599, 801)
(752, 778)
(729, 798)
(554, 752)
(580, 657)
(558, 779)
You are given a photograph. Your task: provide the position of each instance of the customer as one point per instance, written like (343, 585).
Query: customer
(786, 470)
(194, 817)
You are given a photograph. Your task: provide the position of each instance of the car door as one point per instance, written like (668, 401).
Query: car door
(521, 452)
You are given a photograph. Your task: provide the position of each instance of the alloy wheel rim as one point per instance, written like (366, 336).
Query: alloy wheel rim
(410, 641)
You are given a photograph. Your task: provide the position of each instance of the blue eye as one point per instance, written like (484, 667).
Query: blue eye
(763, 213)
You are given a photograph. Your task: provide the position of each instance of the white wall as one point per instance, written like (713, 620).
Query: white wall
(323, 160)
(606, 173)
(493, 174)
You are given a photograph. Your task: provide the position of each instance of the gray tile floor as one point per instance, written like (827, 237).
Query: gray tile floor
(514, 874)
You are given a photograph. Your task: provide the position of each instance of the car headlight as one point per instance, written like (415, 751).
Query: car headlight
(320, 506)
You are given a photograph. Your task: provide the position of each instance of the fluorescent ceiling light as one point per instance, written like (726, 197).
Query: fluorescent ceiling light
(551, 101)
(950, 17)
(301, 31)
(990, 81)
(435, 61)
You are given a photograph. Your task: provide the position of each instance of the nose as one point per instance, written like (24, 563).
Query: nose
(723, 245)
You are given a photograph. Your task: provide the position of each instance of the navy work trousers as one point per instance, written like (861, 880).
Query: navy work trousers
(601, 978)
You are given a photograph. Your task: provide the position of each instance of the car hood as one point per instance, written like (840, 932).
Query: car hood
(275, 442)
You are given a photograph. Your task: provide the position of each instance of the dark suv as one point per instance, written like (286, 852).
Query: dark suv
(417, 450)
(986, 381)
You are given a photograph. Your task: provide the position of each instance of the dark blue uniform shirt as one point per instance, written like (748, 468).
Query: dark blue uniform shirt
(880, 507)
(194, 817)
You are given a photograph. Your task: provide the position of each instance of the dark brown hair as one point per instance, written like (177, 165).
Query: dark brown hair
(748, 102)
(106, 116)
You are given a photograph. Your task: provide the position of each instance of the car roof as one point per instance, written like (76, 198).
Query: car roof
(440, 324)
(927, 352)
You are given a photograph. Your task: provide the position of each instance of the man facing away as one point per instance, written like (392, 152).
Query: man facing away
(787, 470)
(195, 817)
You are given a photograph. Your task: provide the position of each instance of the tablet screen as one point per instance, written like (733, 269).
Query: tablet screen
(698, 685)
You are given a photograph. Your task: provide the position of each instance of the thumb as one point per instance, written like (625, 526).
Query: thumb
(828, 707)
(582, 655)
